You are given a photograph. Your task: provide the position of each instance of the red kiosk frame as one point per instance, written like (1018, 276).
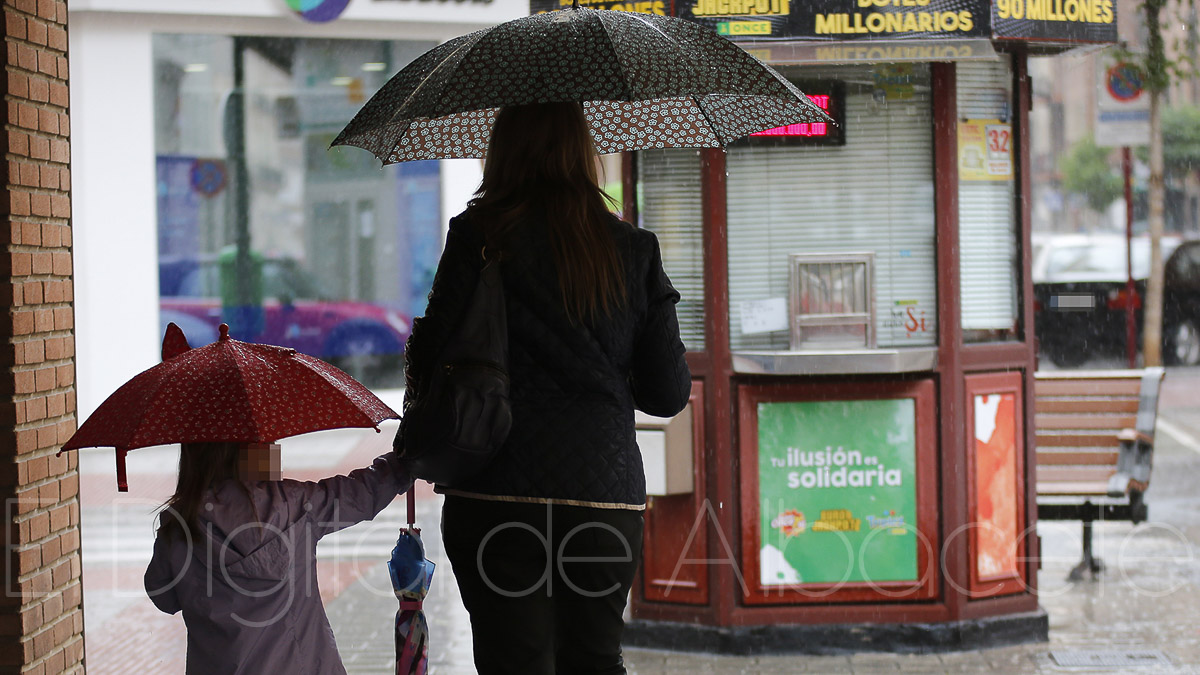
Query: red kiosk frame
(699, 586)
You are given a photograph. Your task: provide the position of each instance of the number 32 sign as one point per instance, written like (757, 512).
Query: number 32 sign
(984, 150)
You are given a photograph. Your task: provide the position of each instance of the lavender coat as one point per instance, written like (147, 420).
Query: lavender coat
(249, 593)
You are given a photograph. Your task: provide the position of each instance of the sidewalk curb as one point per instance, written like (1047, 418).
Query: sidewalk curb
(841, 639)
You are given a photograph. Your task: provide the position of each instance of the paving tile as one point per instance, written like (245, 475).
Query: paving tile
(923, 668)
(962, 659)
(805, 664)
(875, 659)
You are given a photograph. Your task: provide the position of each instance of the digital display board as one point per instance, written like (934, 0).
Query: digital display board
(828, 95)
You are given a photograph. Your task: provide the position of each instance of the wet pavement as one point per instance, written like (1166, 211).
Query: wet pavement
(1141, 616)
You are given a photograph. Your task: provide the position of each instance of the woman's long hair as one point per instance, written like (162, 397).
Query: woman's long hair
(542, 159)
(201, 465)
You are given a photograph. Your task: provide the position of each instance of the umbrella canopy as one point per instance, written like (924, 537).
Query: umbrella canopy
(227, 392)
(411, 575)
(645, 81)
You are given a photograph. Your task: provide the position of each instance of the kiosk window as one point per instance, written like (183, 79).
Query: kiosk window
(674, 214)
(872, 195)
(986, 202)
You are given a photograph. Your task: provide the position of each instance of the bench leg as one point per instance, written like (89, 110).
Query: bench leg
(1090, 565)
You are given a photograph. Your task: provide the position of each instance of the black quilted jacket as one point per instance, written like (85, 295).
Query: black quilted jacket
(573, 387)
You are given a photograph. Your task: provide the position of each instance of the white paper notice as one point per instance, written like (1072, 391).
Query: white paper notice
(764, 316)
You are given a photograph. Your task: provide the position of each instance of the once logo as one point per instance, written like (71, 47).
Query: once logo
(318, 11)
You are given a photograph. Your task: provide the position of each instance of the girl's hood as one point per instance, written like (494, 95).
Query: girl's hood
(237, 543)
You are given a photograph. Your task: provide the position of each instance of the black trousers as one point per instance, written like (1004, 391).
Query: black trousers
(545, 585)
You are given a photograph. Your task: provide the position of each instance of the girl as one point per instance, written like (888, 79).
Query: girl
(544, 544)
(236, 553)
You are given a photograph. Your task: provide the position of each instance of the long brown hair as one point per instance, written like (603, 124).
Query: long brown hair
(201, 465)
(542, 156)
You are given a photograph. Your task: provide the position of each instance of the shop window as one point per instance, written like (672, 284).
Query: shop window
(987, 223)
(322, 249)
(674, 213)
(862, 193)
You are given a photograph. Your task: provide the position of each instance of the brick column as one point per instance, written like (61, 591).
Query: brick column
(41, 613)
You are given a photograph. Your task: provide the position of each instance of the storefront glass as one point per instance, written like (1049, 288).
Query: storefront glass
(337, 253)
(987, 222)
(669, 204)
(831, 230)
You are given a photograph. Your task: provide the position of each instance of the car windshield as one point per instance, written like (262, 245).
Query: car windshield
(1099, 261)
(281, 279)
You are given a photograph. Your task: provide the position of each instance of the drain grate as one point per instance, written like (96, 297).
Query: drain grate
(1088, 658)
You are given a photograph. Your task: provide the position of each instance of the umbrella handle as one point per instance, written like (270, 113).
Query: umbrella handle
(122, 479)
(412, 507)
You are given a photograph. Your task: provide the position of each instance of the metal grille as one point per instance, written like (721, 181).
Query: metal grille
(1110, 659)
(832, 300)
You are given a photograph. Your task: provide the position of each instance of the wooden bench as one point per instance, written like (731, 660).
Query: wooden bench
(1095, 445)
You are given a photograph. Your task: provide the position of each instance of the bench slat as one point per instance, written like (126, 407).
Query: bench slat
(1115, 373)
(1093, 406)
(1067, 440)
(1073, 489)
(1115, 422)
(1075, 474)
(1068, 458)
(1107, 388)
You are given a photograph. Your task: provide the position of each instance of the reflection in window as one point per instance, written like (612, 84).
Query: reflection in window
(323, 251)
(872, 195)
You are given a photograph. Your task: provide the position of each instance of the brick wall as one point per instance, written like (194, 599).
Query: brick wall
(41, 617)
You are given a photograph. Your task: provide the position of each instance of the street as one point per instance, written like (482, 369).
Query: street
(1141, 616)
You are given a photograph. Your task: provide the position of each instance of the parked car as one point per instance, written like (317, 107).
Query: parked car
(362, 338)
(1081, 295)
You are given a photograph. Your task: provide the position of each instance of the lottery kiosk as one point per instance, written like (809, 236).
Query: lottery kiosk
(855, 470)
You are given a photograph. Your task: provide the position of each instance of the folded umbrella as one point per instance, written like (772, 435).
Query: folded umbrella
(411, 575)
(645, 81)
(226, 392)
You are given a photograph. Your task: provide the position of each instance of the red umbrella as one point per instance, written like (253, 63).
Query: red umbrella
(227, 392)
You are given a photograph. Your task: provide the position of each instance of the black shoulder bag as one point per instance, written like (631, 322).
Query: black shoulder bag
(457, 424)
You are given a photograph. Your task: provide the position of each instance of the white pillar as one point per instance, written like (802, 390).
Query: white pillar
(460, 179)
(113, 201)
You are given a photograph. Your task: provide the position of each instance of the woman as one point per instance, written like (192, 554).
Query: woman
(545, 542)
(236, 553)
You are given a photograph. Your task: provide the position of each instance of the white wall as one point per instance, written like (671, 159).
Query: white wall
(460, 179)
(113, 202)
(384, 20)
(113, 174)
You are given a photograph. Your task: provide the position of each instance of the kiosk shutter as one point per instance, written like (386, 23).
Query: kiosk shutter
(670, 206)
(873, 194)
(986, 211)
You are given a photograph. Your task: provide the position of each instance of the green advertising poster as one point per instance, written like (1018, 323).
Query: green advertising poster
(837, 489)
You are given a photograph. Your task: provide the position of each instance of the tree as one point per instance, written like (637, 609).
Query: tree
(1086, 172)
(1156, 79)
(1156, 71)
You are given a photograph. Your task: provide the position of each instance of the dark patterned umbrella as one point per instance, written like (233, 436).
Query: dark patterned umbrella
(645, 81)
